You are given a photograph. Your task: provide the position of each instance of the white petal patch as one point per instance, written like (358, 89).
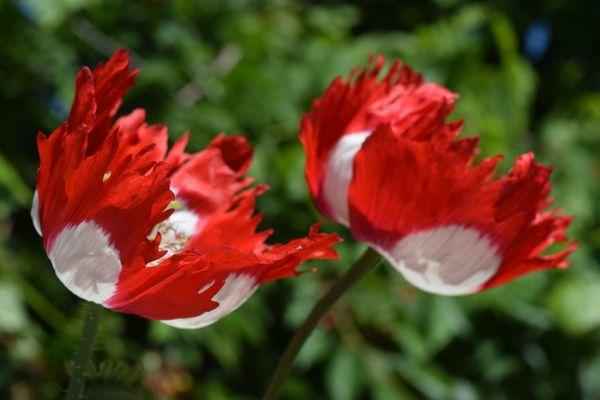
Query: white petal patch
(338, 174)
(236, 290)
(85, 262)
(450, 260)
(176, 231)
(35, 214)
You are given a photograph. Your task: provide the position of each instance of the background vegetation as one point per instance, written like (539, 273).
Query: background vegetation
(528, 77)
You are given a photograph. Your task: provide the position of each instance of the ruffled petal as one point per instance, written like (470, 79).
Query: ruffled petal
(165, 235)
(189, 285)
(349, 111)
(530, 229)
(220, 266)
(210, 179)
(136, 135)
(425, 211)
(98, 96)
(401, 185)
(218, 270)
(382, 159)
(101, 190)
(447, 226)
(123, 206)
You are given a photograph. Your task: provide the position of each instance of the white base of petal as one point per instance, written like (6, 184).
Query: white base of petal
(450, 260)
(85, 262)
(236, 290)
(338, 174)
(35, 214)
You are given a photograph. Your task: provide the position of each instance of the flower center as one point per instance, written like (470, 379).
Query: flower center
(176, 231)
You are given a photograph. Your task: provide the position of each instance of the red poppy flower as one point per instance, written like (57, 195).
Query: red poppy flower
(381, 159)
(145, 230)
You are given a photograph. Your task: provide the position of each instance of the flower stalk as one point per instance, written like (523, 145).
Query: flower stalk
(365, 263)
(91, 323)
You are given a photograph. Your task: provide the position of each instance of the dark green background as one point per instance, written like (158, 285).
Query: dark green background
(252, 67)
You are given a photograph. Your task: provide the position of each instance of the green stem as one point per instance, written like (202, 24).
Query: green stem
(364, 264)
(83, 356)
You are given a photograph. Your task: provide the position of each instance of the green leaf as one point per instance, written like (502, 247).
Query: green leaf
(343, 378)
(316, 348)
(446, 320)
(589, 377)
(431, 381)
(50, 13)
(574, 303)
(11, 181)
(13, 317)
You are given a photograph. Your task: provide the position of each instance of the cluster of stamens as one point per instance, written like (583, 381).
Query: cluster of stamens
(176, 231)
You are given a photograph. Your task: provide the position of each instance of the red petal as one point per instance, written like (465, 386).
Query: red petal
(128, 204)
(115, 177)
(171, 289)
(136, 135)
(522, 200)
(360, 104)
(402, 186)
(98, 95)
(210, 178)
(235, 151)
(227, 245)
(412, 176)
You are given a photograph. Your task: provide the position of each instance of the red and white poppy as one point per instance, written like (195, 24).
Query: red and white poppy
(381, 159)
(145, 230)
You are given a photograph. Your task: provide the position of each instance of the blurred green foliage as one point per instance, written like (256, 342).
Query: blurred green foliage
(528, 77)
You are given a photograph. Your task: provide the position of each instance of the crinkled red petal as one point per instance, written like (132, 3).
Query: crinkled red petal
(136, 135)
(120, 176)
(92, 171)
(412, 174)
(210, 179)
(360, 104)
(98, 95)
(183, 285)
(402, 186)
(227, 242)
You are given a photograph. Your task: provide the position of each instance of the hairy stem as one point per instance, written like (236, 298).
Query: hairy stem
(83, 356)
